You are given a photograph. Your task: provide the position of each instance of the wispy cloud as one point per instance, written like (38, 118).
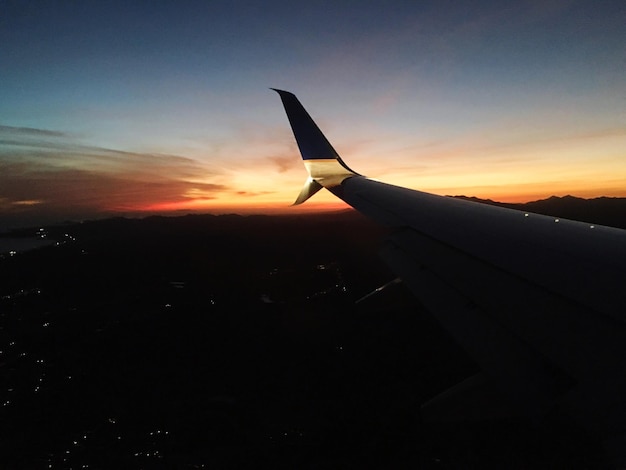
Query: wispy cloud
(284, 162)
(29, 132)
(252, 193)
(62, 151)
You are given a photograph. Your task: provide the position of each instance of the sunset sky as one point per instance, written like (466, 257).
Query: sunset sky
(130, 108)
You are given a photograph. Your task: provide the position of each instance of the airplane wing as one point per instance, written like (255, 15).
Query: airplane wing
(538, 302)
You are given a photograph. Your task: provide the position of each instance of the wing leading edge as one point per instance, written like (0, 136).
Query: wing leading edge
(538, 302)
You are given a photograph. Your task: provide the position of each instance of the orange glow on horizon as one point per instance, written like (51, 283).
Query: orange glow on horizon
(517, 177)
(241, 206)
(325, 201)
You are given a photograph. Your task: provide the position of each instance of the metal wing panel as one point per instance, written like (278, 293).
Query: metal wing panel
(584, 264)
(541, 348)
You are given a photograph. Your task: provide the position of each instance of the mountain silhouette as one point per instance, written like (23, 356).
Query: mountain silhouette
(609, 211)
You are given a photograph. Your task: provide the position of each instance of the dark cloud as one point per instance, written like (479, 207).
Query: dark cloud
(66, 153)
(47, 173)
(76, 189)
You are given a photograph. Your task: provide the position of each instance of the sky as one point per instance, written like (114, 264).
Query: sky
(134, 108)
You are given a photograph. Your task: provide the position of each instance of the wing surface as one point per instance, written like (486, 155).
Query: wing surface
(538, 302)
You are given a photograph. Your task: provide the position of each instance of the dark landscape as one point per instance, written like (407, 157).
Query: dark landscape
(235, 342)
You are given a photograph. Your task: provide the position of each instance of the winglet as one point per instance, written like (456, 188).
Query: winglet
(312, 143)
(325, 166)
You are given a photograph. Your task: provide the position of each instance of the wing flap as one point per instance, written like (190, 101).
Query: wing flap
(529, 381)
(542, 349)
(475, 399)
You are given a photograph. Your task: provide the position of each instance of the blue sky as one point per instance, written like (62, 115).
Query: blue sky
(132, 107)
